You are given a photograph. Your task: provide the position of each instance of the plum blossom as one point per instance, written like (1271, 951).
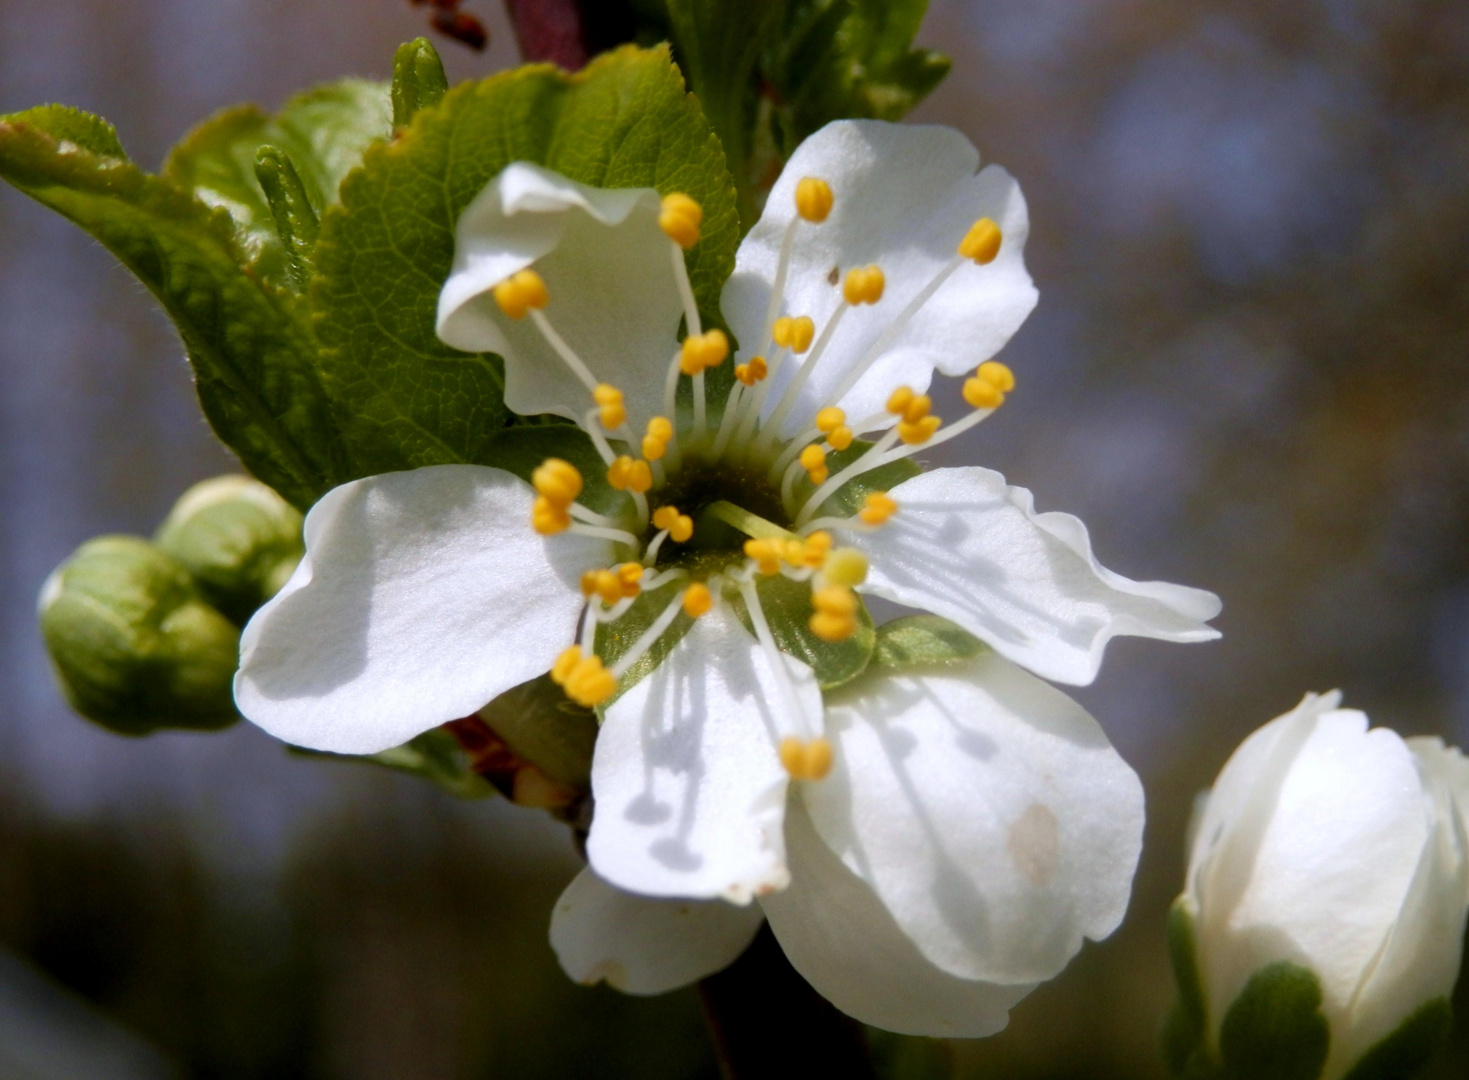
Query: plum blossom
(927, 841)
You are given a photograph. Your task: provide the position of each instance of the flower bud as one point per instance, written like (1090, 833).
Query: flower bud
(239, 539)
(133, 643)
(1322, 924)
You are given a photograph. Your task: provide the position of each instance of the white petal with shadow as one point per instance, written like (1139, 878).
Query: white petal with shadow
(608, 268)
(690, 791)
(641, 945)
(987, 811)
(966, 546)
(904, 197)
(840, 937)
(422, 596)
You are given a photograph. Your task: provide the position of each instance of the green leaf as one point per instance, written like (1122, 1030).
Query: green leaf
(435, 756)
(623, 121)
(849, 58)
(917, 641)
(323, 132)
(788, 610)
(418, 80)
(539, 723)
(719, 47)
(1275, 1030)
(249, 343)
(1405, 1052)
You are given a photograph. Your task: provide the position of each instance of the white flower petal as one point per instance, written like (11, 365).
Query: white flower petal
(838, 935)
(690, 791)
(905, 195)
(422, 596)
(1419, 961)
(644, 946)
(965, 545)
(1329, 798)
(607, 266)
(988, 812)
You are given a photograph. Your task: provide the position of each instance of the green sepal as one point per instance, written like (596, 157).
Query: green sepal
(539, 723)
(1274, 1030)
(249, 343)
(788, 610)
(623, 121)
(1185, 1047)
(419, 81)
(848, 499)
(296, 222)
(435, 756)
(239, 539)
(921, 641)
(323, 131)
(1405, 1052)
(134, 645)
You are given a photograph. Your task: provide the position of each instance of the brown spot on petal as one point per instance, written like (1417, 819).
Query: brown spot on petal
(1035, 844)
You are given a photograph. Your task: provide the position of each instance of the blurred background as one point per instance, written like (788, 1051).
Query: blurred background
(1249, 372)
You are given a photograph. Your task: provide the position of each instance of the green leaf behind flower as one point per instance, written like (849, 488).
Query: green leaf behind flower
(323, 132)
(435, 756)
(249, 342)
(788, 610)
(624, 121)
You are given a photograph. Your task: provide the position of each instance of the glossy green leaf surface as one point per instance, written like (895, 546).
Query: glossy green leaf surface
(249, 342)
(623, 121)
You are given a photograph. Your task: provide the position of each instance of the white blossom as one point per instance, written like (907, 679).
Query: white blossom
(927, 845)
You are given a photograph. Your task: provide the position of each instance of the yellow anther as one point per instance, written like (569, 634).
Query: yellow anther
(813, 460)
(607, 585)
(655, 442)
(829, 419)
(703, 351)
(806, 760)
(813, 199)
(630, 474)
(982, 394)
(680, 217)
(680, 526)
(992, 371)
(899, 399)
(840, 437)
(521, 292)
(609, 400)
(767, 554)
(982, 242)
(557, 481)
(630, 574)
(793, 332)
(795, 552)
(586, 681)
(753, 372)
(697, 600)
(836, 613)
(864, 285)
(877, 508)
(817, 545)
(916, 408)
(549, 518)
(589, 582)
(846, 567)
(565, 663)
(917, 432)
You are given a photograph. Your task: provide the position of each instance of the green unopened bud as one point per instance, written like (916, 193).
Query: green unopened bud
(239, 539)
(134, 644)
(418, 80)
(295, 218)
